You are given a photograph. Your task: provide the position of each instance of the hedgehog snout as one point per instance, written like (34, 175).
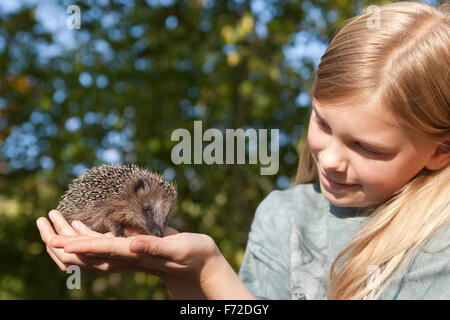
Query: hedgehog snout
(152, 219)
(154, 228)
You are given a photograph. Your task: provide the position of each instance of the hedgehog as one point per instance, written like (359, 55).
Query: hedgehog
(116, 198)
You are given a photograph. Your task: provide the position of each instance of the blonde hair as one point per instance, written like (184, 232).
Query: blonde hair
(405, 63)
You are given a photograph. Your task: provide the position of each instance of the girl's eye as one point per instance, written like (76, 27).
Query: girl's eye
(367, 150)
(362, 148)
(321, 124)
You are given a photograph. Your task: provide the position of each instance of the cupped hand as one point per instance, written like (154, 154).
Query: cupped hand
(177, 252)
(76, 231)
(183, 260)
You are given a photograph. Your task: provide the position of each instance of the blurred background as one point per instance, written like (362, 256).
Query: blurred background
(114, 90)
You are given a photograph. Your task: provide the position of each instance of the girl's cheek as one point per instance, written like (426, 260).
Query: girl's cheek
(372, 174)
(316, 141)
(367, 172)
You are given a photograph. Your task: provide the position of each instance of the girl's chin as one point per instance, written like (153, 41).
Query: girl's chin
(340, 199)
(343, 201)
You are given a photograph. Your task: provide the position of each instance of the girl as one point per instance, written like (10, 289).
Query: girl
(369, 216)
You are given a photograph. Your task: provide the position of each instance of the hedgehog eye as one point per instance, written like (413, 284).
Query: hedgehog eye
(148, 211)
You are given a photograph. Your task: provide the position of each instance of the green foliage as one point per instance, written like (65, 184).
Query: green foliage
(129, 79)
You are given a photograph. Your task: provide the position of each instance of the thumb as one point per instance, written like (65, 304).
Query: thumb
(146, 244)
(154, 253)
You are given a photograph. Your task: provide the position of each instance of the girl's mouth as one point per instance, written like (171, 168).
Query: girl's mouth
(334, 185)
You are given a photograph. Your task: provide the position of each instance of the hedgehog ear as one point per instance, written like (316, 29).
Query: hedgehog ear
(139, 186)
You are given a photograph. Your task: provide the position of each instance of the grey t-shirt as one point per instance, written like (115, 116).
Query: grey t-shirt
(296, 235)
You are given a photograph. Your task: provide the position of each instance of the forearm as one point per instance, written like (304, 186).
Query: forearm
(222, 283)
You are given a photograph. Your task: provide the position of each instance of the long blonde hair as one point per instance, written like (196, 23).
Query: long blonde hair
(405, 62)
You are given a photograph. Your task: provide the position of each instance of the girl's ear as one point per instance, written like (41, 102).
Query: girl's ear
(441, 156)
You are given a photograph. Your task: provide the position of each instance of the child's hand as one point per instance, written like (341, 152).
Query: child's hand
(184, 261)
(77, 231)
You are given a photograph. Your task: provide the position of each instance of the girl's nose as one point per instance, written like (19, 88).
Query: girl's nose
(332, 158)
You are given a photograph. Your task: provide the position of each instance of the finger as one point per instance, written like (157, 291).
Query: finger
(45, 229)
(160, 247)
(156, 264)
(110, 265)
(84, 230)
(60, 223)
(58, 262)
(160, 253)
(109, 246)
(156, 254)
(145, 244)
(47, 233)
(61, 241)
(113, 250)
(86, 263)
(62, 259)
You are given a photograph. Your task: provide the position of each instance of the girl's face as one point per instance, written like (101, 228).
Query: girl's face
(365, 149)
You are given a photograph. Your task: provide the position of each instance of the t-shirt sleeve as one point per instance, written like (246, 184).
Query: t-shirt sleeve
(265, 267)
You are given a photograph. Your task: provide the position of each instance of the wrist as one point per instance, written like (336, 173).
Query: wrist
(218, 281)
(181, 288)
